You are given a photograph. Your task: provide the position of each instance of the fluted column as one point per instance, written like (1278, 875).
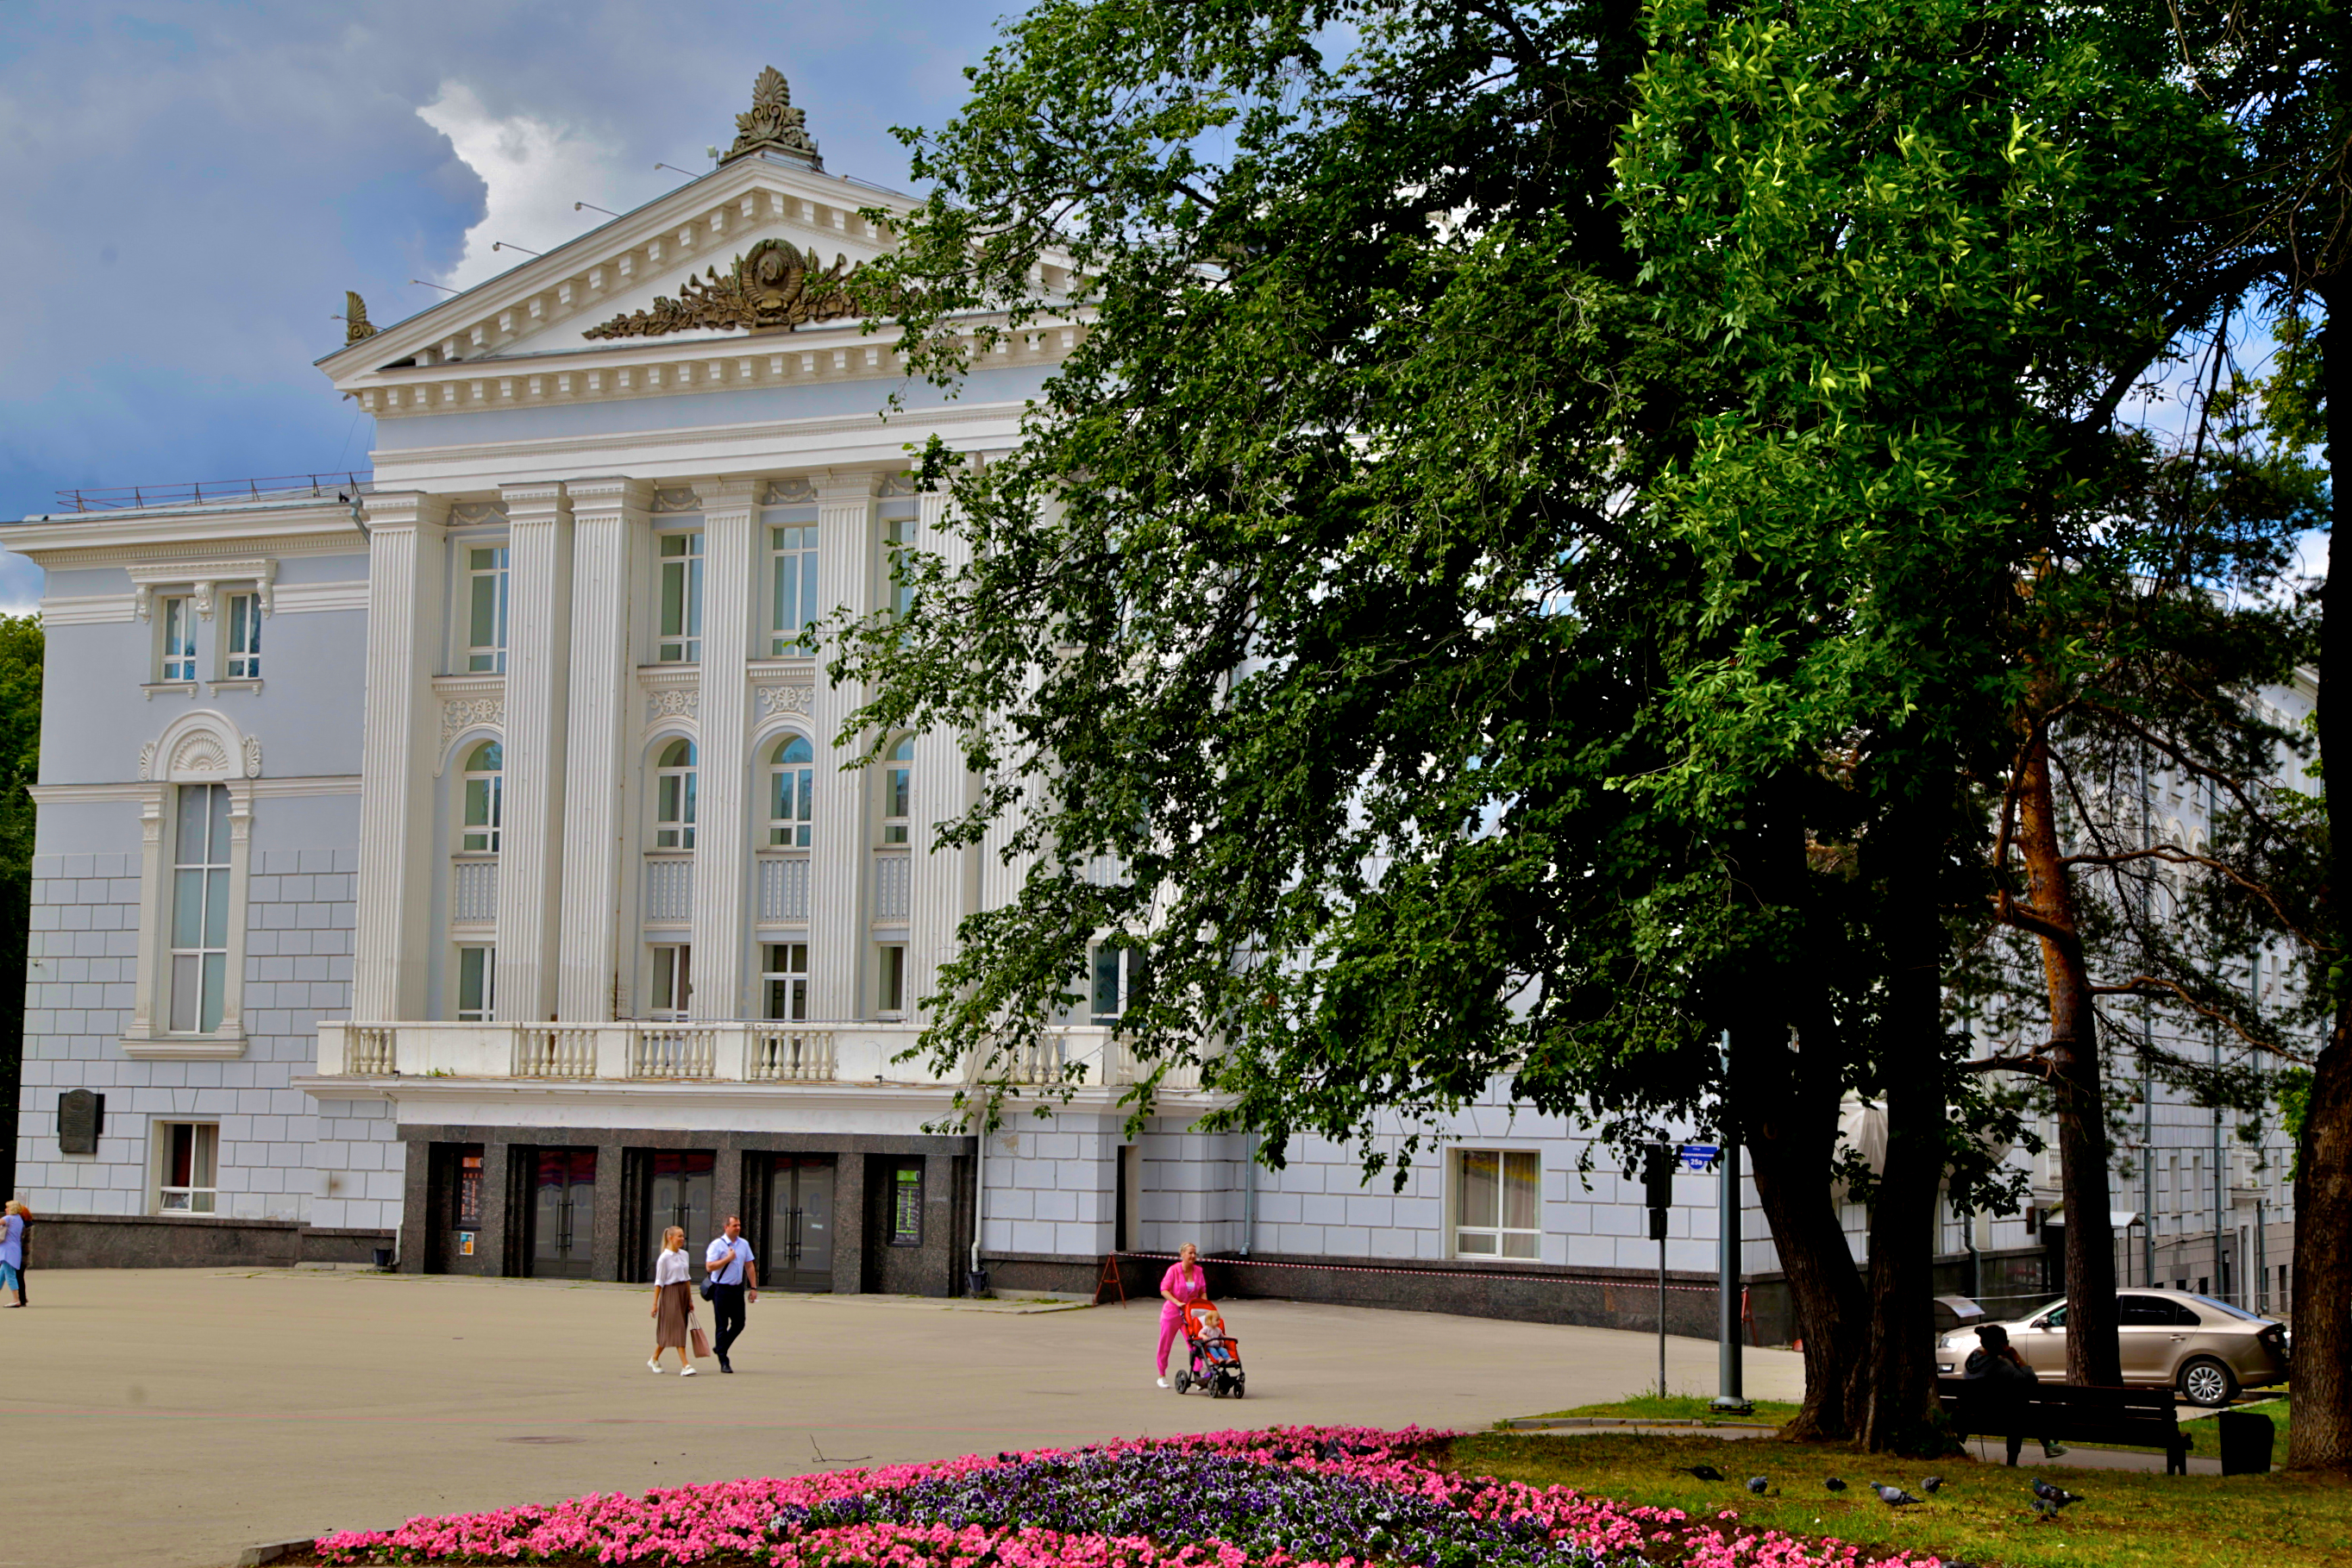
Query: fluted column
(722, 856)
(842, 851)
(608, 546)
(942, 791)
(539, 654)
(405, 572)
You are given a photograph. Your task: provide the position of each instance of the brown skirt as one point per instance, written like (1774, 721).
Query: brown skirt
(671, 1314)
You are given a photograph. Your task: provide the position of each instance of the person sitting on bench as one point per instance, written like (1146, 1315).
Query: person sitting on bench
(1996, 1362)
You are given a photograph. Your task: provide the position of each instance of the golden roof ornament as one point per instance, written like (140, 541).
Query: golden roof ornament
(355, 322)
(772, 287)
(773, 124)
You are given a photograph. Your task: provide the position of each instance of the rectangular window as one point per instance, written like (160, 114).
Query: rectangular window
(792, 796)
(673, 980)
(477, 983)
(898, 792)
(896, 534)
(682, 599)
(891, 991)
(486, 609)
(243, 662)
(785, 981)
(200, 844)
(179, 618)
(189, 1167)
(793, 592)
(1496, 1212)
(907, 1206)
(1120, 972)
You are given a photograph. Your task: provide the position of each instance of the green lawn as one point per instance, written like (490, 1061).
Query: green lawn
(1680, 1407)
(1983, 1515)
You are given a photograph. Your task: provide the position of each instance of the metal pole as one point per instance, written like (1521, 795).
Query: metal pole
(1726, 1329)
(1662, 1315)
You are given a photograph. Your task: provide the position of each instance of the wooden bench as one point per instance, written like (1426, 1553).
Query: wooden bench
(2062, 1413)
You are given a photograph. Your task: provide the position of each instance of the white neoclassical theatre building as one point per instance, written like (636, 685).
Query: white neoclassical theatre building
(454, 860)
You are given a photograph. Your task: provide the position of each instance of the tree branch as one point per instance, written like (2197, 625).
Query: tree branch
(2157, 985)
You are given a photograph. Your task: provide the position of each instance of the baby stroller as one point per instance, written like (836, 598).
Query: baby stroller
(1216, 1355)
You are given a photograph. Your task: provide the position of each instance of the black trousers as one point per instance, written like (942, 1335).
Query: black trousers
(727, 1306)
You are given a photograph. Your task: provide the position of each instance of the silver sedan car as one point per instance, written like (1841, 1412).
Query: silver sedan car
(2207, 1349)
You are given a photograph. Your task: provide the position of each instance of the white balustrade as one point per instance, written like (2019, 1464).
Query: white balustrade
(368, 1050)
(669, 889)
(893, 878)
(782, 1054)
(666, 1050)
(553, 1050)
(473, 891)
(784, 889)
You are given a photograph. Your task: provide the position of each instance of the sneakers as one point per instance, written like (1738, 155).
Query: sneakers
(654, 1367)
(688, 1372)
(1163, 1383)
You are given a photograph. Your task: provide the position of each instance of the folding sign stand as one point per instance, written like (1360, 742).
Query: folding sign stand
(1110, 1279)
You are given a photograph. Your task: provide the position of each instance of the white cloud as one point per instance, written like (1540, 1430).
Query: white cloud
(535, 169)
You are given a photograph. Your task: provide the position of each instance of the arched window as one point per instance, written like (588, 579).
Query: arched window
(673, 797)
(898, 790)
(485, 803)
(792, 789)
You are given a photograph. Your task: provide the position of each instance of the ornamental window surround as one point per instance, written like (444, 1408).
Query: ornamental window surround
(175, 621)
(199, 913)
(195, 820)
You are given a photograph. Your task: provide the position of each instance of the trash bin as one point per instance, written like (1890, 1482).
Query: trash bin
(2245, 1442)
(383, 1265)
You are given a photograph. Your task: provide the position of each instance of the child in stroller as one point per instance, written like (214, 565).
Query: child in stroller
(1216, 1355)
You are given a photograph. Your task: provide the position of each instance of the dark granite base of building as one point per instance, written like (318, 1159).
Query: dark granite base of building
(191, 1241)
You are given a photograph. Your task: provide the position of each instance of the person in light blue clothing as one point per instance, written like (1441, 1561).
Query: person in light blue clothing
(12, 1251)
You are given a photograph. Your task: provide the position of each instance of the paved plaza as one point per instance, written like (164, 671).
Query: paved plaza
(213, 1410)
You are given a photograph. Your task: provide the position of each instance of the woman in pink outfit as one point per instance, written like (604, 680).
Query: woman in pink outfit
(1179, 1287)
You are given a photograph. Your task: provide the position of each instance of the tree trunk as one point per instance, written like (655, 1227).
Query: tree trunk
(2321, 1436)
(1902, 1412)
(1789, 1126)
(2094, 1352)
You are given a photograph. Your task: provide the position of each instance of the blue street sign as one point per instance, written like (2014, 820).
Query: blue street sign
(1699, 1156)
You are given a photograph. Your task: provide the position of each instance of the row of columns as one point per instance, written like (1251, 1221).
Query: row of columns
(580, 575)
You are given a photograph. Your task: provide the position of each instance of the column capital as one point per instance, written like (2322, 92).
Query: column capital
(732, 494)
(605, 496)
(847, 487)
(534, 503)
(405, 510)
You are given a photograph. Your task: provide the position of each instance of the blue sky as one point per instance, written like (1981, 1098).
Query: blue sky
(189, 188)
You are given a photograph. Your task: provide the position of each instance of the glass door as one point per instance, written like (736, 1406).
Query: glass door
(799, 1223)
(681, 1196)
(564, 1214)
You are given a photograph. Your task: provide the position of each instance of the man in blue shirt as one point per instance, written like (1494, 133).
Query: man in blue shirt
(733, 1273)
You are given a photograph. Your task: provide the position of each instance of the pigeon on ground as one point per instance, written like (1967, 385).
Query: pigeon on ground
(1932, 1485)
(1699, 1472)
(1834, 1484)
(1893, 1497)
(2057, 1496)
(1757, 1483)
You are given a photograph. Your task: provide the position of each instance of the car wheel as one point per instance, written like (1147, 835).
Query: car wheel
(2209, 1383)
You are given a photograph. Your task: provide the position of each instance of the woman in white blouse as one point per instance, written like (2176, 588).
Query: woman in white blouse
(672, 1309)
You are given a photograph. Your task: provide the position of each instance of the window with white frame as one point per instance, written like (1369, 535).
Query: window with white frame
(486, 609)
(176, 618)
(242, 658)
(680, 641)
(1497, 1208)
(792, 792)
(1119, 971)
(896, 535)
(674, 796)
(890, 979)
(898, 790)
(477, 983)
(187, 1167)
(485, 799)
(785, 979)
(199, 908)
(793, 586)
(673, 980)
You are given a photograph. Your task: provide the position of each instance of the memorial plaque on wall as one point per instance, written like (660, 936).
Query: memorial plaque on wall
(81, 1117)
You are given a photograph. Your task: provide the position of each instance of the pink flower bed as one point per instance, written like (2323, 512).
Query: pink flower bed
(1281, 1498)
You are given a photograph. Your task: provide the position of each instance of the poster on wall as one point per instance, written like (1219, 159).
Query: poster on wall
(464, 1244)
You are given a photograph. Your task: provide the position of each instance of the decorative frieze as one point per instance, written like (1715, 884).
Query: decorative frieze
(674, 702)
(676, 498)
(460, 714)
(786, 492)
(777, 699)
(472, 514)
